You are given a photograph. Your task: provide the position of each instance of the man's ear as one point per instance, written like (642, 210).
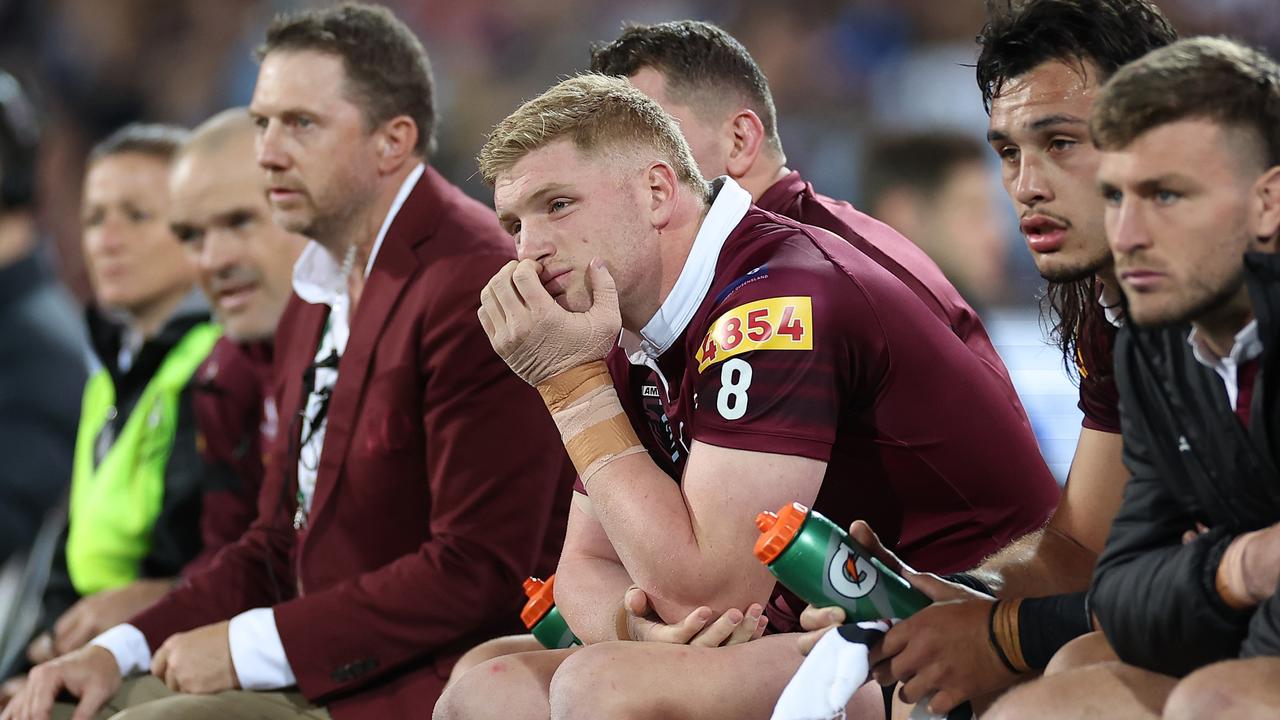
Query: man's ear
(748, 142)
(662, 187)
(1265, 211)
(397, 142)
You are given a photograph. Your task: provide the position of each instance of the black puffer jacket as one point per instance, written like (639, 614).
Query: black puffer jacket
(1192, 461)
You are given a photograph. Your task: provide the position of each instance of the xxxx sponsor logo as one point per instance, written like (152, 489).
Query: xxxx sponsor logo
(780, 323)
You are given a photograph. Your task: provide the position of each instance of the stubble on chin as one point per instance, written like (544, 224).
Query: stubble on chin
(1203, 303)
(1080, 269)
(291, 221)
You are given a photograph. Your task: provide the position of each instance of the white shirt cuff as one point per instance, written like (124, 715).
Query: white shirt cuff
(129, 647)
(257, 653)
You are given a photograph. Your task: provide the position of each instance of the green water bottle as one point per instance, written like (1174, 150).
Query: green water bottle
(542, 617)
(824, 566)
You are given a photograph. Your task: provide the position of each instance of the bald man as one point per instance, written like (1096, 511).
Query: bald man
(218, 210)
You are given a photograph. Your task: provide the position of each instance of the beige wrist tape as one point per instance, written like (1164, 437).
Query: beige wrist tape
(1009, 635)
(620, 625)
(1230, 579)
(592, 424)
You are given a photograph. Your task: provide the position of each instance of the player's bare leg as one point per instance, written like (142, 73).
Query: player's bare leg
(497, 647)
(900, 710)
(612, 681)
(1106, 690)
(511, 687)
(1086, 650)
(1236, 689)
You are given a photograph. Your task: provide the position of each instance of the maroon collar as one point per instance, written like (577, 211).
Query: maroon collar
(780, 194)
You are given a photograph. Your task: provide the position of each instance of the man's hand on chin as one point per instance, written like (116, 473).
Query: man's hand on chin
(537, 337)
(198, 661)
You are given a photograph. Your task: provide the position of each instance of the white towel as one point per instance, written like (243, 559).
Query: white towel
(835, 669)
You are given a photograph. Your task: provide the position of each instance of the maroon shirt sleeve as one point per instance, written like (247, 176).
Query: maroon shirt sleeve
(775, 360)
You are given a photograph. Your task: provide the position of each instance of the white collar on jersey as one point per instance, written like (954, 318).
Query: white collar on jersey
(728, 206)
(1112, 303)
(318, 277)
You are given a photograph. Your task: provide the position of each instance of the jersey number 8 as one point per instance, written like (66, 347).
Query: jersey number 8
(735, 378)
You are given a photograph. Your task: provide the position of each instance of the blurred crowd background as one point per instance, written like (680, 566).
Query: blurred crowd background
(849, 77)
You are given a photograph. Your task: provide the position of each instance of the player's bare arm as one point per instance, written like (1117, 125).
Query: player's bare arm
(692, 548)
(602, 602)
(1060, 558)
(590, 579)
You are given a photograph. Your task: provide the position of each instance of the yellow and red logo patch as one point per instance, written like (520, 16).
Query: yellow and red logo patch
(781, 323)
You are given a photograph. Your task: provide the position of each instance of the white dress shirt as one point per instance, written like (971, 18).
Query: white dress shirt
(1247, 347)
(256, 650)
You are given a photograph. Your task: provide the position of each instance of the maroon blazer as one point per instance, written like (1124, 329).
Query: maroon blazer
(441, 485)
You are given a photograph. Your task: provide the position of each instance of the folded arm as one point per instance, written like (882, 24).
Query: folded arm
(690, 544)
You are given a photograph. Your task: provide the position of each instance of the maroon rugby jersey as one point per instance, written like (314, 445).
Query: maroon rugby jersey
(1099, 397)
(235, 423)
(795, 198)
(799, 344)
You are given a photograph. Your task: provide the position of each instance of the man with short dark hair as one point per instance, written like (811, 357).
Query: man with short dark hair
(390, 535)
(1040, 66)
(1190, 173)
(936, 188)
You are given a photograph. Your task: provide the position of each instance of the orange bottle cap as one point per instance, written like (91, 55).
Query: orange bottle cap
(541, 600)
(777, 530)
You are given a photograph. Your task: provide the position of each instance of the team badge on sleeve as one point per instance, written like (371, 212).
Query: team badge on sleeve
(781, 323)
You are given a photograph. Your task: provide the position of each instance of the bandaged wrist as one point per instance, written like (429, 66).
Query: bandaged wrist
(1230, 579)
(592, 423)
(1004, 636)
(620, 625)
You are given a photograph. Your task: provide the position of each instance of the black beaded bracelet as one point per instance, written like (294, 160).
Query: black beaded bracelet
(971, 581)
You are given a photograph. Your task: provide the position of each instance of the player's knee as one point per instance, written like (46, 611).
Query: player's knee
(497, 647)
(475, 695)
(451, 703)
(867, 703)
(592, 684)
(1085, 650)
(1022, 702)
(1210, 692)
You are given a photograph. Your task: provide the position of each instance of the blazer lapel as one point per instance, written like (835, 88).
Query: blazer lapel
(295, 349)
(294, 353)
(393, 269)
